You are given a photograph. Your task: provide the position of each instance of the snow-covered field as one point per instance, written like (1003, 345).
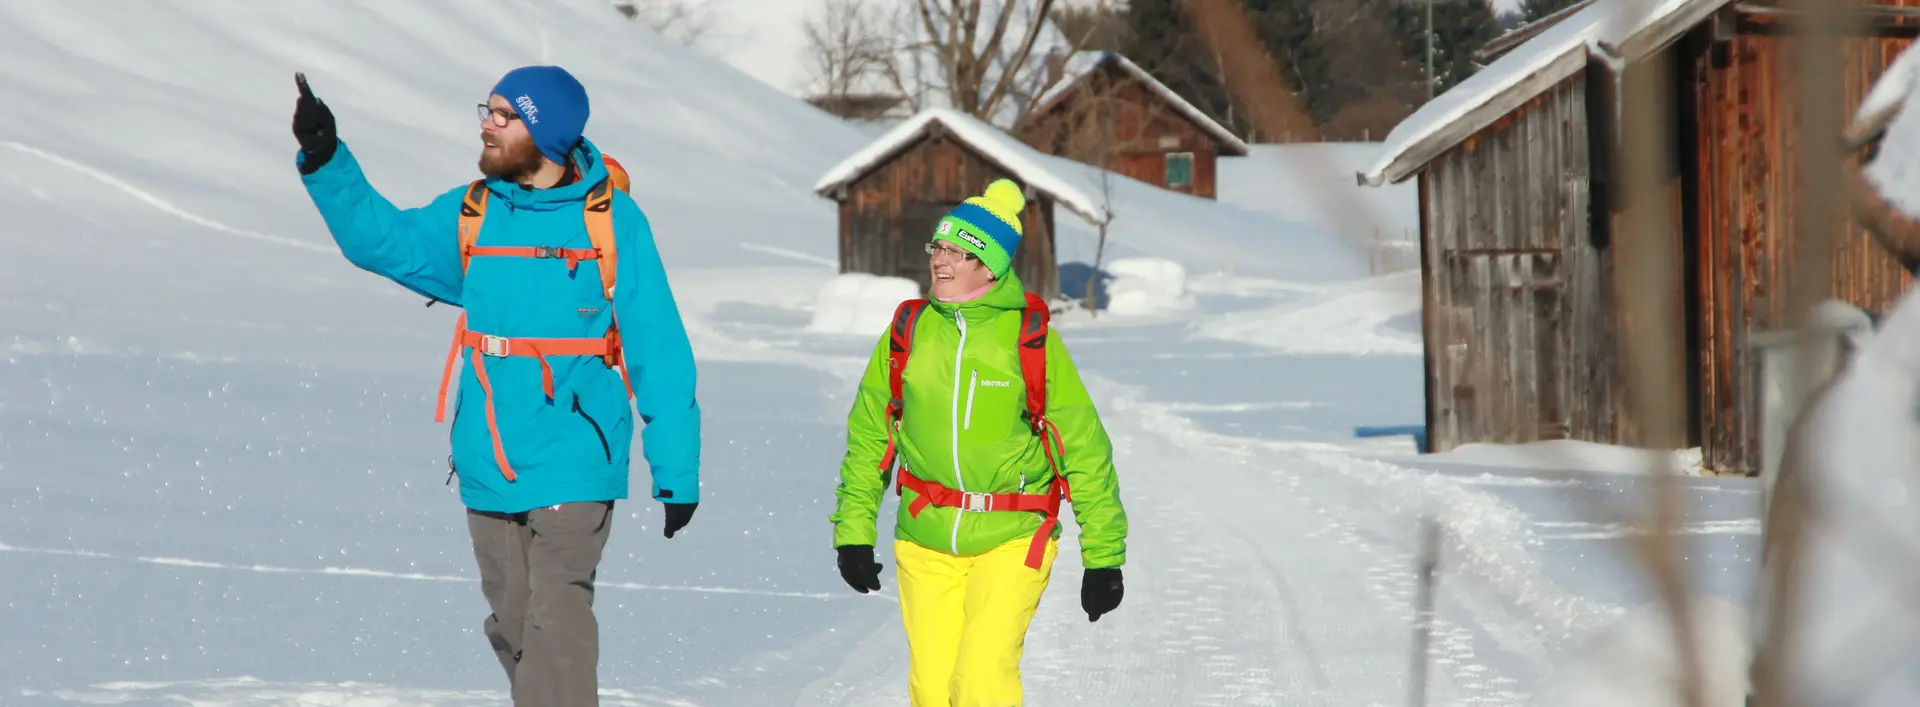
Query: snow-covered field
(224, 486)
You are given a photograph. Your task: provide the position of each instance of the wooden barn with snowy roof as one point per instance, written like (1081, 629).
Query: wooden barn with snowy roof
(1104, 110)
(1524, 224)
(892, 192)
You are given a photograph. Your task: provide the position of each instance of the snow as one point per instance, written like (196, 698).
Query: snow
(1079, 64)
(1147, 287)
(1313, 183)
(1893, 86)
(860, 304)
(1071, 183)
(1582, 32)
(1895, 169)
(1854, 634)
(1574, 455)
(1635, 662)
(223, 484)
(1356, 318)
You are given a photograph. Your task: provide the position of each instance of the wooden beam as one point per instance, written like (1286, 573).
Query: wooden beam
(1758, 10)
(1870, 26)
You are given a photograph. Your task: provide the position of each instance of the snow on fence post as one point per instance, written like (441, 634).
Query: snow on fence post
(1423, 611)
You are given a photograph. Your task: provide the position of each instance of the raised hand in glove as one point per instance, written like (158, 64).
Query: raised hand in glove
(678, 515)
(858, 568)
(1100, 591)
(313, 127)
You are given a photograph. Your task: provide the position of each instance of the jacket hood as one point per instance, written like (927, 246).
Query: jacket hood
(593, 170)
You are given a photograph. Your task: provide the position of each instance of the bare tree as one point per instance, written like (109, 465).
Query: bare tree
(848, 47)
(685, 21)
(967, 53)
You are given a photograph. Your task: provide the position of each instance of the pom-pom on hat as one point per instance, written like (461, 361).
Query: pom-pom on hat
(987, 226)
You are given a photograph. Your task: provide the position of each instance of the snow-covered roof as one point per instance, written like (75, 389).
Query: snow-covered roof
(1528, 70)
(1072, 184)
(1079, 64)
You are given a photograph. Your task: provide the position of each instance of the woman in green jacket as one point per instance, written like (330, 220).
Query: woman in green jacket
(975, 538)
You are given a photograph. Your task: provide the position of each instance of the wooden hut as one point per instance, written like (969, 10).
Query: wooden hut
(1105, 111)
(893, 192)
(1522, 225)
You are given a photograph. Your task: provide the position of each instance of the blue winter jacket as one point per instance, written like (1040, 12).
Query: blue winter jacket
(575, 446)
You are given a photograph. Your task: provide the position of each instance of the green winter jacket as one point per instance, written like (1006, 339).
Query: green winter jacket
(962, 428)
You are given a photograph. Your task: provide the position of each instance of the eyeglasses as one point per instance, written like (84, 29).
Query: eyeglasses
(500, 116)
(938, 250)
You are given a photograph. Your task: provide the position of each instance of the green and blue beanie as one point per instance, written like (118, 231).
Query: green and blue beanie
(987, 226)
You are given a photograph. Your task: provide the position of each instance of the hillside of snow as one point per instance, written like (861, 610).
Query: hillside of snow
(223, 484)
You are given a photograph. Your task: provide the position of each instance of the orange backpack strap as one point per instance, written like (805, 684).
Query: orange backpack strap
(899, 344)
(599, 215)
(473, 211)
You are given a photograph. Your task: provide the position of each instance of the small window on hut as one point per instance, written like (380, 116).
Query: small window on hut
(1180, 169)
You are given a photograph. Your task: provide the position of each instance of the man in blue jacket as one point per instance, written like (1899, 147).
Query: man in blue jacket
(542, 430)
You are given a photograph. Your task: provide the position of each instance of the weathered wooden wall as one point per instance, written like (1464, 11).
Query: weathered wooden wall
(1747, 185)
(889, 215)
(1108, 115)
(1516, 323)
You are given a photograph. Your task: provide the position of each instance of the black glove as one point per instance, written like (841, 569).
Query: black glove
(858, 568)
(677, 516)
(1100, 591)
(313, 127)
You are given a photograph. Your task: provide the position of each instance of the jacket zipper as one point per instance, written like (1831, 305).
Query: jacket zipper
(959, 357)
(604, 448)
(973, 385)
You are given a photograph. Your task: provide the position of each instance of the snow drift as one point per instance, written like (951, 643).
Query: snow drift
(1147, 287)
(858, 304)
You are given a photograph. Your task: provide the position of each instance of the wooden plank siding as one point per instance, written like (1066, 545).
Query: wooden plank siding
(1748, 185)
(1523, 220)
(1112, 118)
(888, 215)
(1515, 329)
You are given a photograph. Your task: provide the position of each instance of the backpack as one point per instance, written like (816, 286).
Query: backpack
(599, 217)
(1033, 368)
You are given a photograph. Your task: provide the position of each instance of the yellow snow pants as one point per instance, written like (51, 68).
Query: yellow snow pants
(966, 621)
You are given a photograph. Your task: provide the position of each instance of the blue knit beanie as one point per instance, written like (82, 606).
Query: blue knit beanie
(552, 104)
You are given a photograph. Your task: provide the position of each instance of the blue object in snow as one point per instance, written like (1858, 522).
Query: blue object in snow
(1419, 433)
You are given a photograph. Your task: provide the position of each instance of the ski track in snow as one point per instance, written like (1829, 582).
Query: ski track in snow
(1278, 580)
(189, 563)
(229, 692)
(790, 254)
(162, 204)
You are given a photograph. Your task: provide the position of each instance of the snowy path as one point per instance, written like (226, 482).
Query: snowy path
(1270, 564)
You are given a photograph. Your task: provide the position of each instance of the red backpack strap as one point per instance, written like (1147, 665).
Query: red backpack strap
(1033, 356)
(1033, 368)
(899, 344)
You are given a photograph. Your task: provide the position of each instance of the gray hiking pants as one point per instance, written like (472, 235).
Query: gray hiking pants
(537, 570)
